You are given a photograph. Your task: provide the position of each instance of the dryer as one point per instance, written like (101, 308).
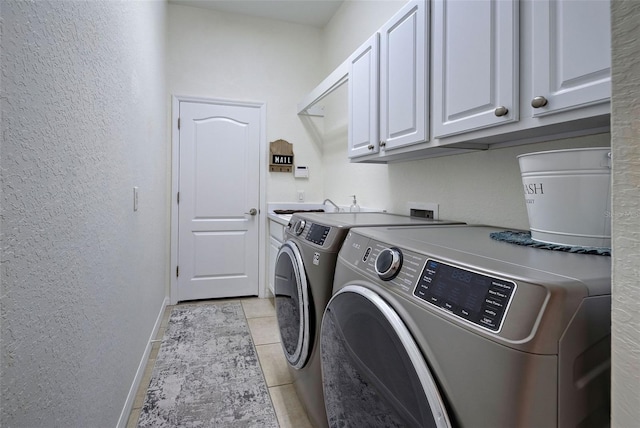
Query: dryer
(448, 327)
(302, 285)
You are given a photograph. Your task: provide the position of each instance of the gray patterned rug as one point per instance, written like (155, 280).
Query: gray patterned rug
(207, 373)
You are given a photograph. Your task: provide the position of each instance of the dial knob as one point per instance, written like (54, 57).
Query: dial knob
(388, 263)
(299, 227)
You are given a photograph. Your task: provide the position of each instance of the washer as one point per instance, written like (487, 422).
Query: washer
(448, 327)
(303, 282)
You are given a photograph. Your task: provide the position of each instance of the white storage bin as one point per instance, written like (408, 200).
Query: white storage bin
(568, 196)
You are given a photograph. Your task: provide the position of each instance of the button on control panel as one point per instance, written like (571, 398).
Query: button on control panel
(478, 298)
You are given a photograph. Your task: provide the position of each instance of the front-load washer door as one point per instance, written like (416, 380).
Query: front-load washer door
(292, 304)
(373, 372)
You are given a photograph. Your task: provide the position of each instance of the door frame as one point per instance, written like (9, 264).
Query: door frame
(175, 174)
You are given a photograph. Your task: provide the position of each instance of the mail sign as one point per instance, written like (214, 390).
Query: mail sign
(281, 153)
(281, 160)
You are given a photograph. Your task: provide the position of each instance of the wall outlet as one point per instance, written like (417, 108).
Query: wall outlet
(300, 195)
(424, 209)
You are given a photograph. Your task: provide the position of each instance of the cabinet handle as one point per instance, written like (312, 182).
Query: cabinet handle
(501, 111)
(370, 147)
(383, 143)
(538, 102)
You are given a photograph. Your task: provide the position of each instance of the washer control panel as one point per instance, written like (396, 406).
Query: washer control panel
(317, 233)
(478, 298)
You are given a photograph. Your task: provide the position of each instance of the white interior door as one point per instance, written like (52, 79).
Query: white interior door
(218, 236)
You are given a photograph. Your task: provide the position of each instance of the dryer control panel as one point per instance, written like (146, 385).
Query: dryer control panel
(478, 298)
(475, 297)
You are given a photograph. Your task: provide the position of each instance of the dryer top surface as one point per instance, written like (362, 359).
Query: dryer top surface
(472, 246)
(367, 219)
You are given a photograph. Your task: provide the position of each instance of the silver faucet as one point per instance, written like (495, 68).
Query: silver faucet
(332, 203)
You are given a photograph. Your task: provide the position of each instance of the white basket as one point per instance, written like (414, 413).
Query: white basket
(568, 196)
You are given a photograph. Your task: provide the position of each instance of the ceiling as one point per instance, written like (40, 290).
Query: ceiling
(308, 12)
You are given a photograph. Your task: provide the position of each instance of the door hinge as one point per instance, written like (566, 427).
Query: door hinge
(177, 271)
(178, 123)
(178, 198)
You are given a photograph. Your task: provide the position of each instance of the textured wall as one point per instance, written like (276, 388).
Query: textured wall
(625, 119)
(83, 276)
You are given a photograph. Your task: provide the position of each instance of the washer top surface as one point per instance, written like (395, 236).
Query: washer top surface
(364, 219)
(472, 247)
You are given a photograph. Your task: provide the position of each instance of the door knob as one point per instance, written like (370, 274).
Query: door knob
(538, 102)
(252, 211)
(501, 111)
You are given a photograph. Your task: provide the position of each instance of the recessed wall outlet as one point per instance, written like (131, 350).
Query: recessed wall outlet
(424, 210)
(300, 195)
(415, 212)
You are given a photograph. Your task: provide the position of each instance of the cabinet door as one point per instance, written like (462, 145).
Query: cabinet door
(571, 54)
(363, 101)
(475, 64)
(274, 247)
(403, 77)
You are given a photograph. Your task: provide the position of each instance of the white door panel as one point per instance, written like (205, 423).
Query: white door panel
(403, 77)
(210, 262)
(475, 64)
(219, 185)
(363, 134)
(571, 54)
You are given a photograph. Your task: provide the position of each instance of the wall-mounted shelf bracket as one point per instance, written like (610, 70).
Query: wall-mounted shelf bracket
(337, 78)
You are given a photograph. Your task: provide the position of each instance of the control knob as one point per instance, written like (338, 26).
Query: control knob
(388, 263)
(299, 227)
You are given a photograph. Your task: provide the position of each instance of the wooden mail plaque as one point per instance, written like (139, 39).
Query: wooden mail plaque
(280, 156)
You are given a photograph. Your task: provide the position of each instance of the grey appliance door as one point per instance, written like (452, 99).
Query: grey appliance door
(373, 372)
(292, 304)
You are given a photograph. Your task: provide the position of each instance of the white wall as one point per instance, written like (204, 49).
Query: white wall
(361, 18)
(222, 55)
(83, 276)
(625, 118)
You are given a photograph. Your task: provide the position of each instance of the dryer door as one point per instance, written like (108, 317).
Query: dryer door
(372, 370)
(292, 304)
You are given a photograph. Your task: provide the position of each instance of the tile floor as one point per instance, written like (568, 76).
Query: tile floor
(261, 317)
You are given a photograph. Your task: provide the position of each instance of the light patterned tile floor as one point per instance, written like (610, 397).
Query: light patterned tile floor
(261, 317)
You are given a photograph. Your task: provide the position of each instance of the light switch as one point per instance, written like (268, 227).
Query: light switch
(135, 198)
(300, 195)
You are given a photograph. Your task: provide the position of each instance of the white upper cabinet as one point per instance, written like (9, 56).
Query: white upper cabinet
(388, 91)
(571, 55)
(499, 73)
(363, 131)
(403, 77)
(475, 64)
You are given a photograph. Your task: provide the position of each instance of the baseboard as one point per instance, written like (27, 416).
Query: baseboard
(128, 405)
